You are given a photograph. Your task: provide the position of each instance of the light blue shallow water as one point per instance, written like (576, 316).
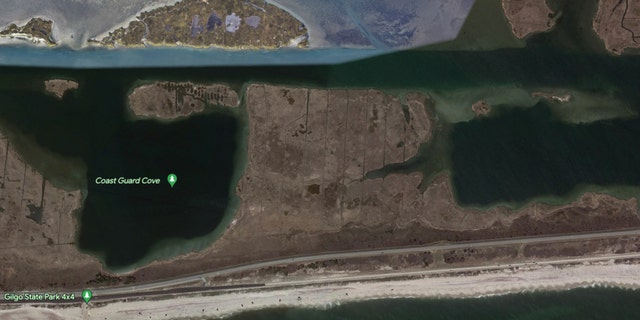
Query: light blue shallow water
(174, 57)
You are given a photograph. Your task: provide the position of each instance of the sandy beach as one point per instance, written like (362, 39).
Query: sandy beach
(486, 283)
(124, 23)
(77, 21)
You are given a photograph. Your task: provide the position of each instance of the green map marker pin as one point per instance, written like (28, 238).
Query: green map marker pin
(87, 295)
(172, 179)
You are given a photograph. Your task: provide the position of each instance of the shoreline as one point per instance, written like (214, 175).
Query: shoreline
(618, 192)
(504, 281)
(533, 18)
(173, 250)
(312, 32)
(94, 42)
(125, 23)
(28, 39)
(454, 107)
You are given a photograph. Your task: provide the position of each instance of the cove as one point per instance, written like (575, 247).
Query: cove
(120, 223)
(92, 126)
(525, 153)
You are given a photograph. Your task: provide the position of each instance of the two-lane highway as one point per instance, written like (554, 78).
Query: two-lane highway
(191, 279)
(197, 282)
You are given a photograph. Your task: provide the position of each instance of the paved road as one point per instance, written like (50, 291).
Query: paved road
(200, 278)
(418, 273)
(134, 294)
(359, 277)
(169, 286)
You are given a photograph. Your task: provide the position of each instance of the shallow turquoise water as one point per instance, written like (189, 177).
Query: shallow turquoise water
(28, 56)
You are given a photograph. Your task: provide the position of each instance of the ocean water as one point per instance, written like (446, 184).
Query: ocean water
(579, 304)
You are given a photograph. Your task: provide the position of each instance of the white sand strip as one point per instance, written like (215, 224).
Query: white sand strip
(504, 281)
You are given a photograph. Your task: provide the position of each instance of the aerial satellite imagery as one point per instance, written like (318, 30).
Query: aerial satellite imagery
(319, 159)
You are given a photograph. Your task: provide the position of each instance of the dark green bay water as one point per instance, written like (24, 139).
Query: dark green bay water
(518, 154)
(89, 134)
(583, 304)
(526, 152)
(515, 155)
(92, 127)
(121, 223)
